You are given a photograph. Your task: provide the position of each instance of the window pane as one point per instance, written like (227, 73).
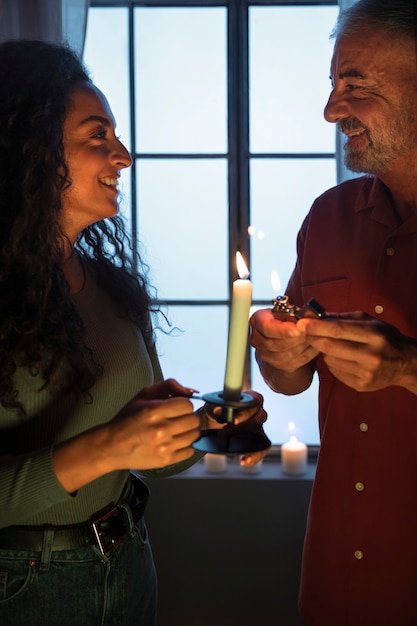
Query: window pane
(282, 191)
(300, 409)
(125, 203)
(289, 61)
(195, 354)
(181, 97)
(183, 223)
(109, 64)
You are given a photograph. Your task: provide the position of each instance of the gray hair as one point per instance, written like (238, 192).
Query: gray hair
(397, 17)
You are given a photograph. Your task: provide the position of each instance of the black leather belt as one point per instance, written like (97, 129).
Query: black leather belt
(107, 531)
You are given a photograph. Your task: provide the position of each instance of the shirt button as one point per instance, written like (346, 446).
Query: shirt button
(363, 426)
(390, 251)
(379, 309)
(359, 486)
(358, 554)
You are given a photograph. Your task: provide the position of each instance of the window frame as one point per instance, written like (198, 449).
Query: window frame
(238, 155)
(238, 121)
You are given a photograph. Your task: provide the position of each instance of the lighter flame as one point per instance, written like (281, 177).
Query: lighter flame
(276, 281)
(242, 269)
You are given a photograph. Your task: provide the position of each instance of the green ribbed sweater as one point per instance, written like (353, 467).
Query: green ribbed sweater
(29, 491)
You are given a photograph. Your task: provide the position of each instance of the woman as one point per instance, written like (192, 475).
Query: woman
(82, 394)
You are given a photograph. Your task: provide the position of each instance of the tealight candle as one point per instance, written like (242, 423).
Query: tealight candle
(215, 463)
(294, 456)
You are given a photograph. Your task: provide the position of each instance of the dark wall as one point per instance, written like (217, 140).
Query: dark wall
(228, 547)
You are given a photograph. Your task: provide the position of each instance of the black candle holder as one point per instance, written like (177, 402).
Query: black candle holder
(232, 439)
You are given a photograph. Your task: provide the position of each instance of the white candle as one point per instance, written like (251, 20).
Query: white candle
(238, 332)
(294, 456)
(215, 463)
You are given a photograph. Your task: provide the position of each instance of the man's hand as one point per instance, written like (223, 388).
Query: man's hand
(279, 342)
(284, 356)
(363, 352)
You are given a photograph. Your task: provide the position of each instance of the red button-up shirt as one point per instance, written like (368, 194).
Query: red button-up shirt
(360, 553)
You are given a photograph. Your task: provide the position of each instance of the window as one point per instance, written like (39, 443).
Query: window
(221, 105)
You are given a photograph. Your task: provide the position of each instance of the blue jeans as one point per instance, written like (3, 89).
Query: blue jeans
(80, 587)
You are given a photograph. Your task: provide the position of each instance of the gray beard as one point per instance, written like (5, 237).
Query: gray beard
(370, 162)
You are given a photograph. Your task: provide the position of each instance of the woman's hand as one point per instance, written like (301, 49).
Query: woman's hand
(248, 420)
(168, 388)
(155, 429)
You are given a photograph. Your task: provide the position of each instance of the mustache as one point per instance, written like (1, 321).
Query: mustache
(350, 124)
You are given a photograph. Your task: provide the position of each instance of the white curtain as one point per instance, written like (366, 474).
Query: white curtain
(49, 20)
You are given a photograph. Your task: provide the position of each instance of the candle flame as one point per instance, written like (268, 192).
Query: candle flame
(242, 269)
(291, 426)
(276, 281)
(293, 439)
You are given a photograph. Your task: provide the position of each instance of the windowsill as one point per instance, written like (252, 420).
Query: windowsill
(271, 470)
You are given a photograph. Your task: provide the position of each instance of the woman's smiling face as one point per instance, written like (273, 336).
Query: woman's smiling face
(94, 156)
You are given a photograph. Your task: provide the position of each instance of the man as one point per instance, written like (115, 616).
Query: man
(357, 252)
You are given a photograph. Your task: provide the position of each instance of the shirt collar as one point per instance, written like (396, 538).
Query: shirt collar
(374, 196)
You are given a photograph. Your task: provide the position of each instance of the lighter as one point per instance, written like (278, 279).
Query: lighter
(312, 308)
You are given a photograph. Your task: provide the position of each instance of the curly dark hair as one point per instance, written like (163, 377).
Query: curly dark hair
(39, 325)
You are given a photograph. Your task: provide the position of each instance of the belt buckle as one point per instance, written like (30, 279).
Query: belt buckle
(105, 538)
